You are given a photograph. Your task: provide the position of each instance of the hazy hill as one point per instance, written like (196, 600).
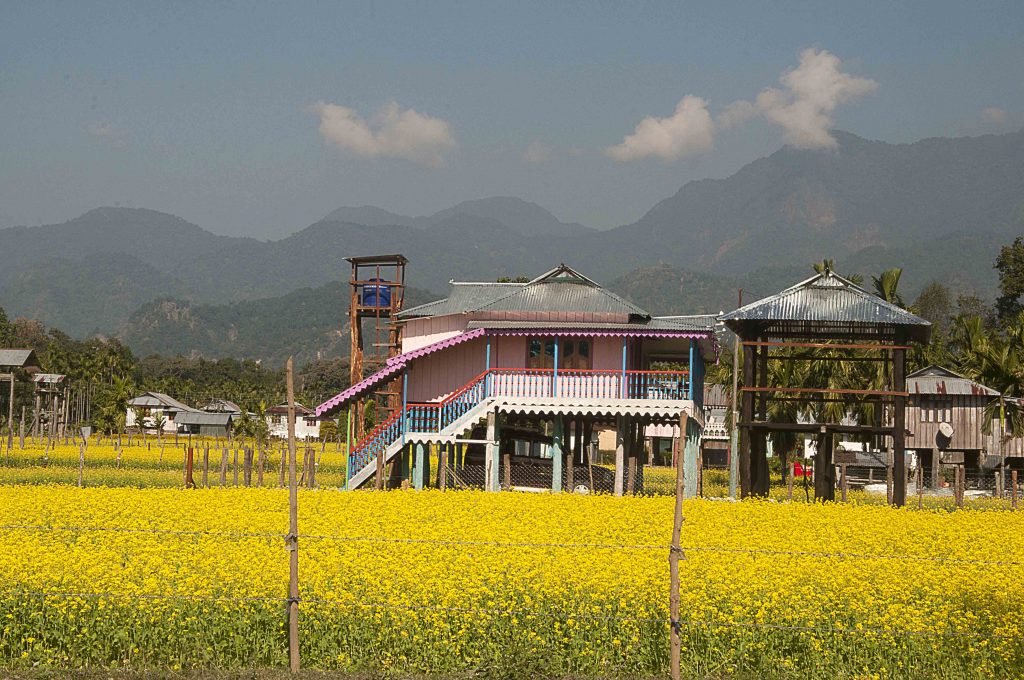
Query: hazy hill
(161, 240)
(522, 217)
(940, 208)
(799, 205)
(306, 323)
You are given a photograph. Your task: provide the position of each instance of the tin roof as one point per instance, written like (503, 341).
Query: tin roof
(202, 418)
(465, 297)
(826, 305)
(562, 289)
(221, 406)
(282, 409)
(18, 358)
(151, 399)
(939, 380)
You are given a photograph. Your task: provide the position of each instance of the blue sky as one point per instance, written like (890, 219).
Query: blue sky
(214, 111)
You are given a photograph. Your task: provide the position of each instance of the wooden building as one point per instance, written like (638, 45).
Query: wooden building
(825, 313)
(946, 422)
(508, 381)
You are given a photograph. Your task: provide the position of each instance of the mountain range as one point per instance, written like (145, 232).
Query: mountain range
(939, 208)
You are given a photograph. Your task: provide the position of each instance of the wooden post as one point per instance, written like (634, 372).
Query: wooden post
(81, 463)
(293, 530)
(259, 468)
(379, 478)
(888, 478)
(920, 486)
(442, 466)
(620, 454)
(1013, 489)
(958, 489)
(206, 467)
(557, 453)
(21, 430)
(235, 466)
(789, 481)
(899, 431)
(843, 485)
(224, 467)
(189, 482)
(311, 478)
(247, 470)
(674, 554)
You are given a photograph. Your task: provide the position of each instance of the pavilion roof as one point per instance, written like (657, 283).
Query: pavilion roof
(826, 306)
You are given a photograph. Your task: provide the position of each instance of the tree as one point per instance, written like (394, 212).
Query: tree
(886, 285)
(7, 335)
(1010, 265)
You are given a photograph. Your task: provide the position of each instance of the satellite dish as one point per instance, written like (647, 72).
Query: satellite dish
(946, 430)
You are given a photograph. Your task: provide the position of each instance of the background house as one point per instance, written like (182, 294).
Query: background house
(307, 426)
(155, 404)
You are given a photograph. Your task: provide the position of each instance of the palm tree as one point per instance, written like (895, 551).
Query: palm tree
(886, 286)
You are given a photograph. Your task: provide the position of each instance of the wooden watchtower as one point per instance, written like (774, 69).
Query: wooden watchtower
(825, 318)
(376, 296)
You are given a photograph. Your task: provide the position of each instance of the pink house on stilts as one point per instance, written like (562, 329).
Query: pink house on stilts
(502, 385)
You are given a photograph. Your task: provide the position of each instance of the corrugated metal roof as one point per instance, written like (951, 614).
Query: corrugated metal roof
(562, 289)
(150, 399)
(202, 418)
(825, 300)
(465, 297)
(18, 358)
(938, 380)
(563, 296)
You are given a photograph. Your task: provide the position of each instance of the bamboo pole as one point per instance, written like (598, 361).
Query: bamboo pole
(1013, 489)
(789, 482)
(675, 552)
(293, 530)
(81, 463)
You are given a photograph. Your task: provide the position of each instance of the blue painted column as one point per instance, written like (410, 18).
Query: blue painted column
(418, 466)
(691, 450)
(556, 453)
(405, 402)
(624, 347)
(693, 371)
(554, 374)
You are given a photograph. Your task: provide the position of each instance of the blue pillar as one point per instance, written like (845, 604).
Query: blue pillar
(405, 402)
(419, 464)
(556, 453)
(691, 450)
(554, 375)
(624, 345)
(693, 371)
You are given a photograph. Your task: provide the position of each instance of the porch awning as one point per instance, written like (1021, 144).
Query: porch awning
(394, 366)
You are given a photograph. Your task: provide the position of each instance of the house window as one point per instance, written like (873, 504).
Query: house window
(936, 410)
(572, 354)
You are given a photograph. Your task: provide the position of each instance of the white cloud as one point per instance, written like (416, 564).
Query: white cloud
(536, 154)
(106, 130)
(811, 93)
(688, 131)
(994, 114)
(803, 107)
(391, 133)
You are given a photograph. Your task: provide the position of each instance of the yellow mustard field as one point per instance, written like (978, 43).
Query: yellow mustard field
(512, 584)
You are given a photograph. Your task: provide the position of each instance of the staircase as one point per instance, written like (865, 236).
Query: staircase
(469, 405)
(449, 417)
